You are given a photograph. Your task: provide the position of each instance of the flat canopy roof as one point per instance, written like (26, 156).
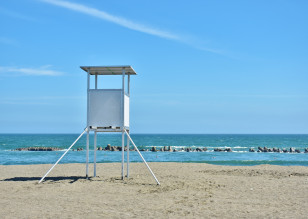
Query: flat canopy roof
(109, 70)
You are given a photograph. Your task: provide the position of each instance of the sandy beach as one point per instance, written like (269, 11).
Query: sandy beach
(188, 190)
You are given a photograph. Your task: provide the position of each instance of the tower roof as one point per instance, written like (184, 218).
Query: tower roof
(109, 70)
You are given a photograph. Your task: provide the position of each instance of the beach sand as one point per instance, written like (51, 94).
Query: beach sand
(188, 190)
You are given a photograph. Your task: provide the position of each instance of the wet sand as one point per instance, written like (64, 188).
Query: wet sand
(188, 190)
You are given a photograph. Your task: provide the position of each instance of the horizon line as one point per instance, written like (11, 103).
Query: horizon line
(54, 133)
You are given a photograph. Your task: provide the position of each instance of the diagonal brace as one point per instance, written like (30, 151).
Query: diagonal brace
(67, 150)
(142, 157)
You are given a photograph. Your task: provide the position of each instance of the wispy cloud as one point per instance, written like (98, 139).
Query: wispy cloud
(114, 19)
(133, 25)
(42, 71)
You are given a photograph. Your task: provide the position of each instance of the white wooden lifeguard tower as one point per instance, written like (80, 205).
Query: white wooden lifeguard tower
(107, 111)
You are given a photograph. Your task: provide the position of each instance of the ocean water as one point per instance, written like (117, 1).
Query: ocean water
(240, 145)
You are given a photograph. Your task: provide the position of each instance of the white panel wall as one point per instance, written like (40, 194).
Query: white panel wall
(126, 111)
(105, 108)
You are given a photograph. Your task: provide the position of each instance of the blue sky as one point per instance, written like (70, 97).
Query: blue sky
(203, 66)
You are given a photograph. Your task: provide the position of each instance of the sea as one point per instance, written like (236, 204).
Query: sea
(240, 145)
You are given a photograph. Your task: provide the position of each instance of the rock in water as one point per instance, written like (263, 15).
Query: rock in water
(119, 148)
(108, 148)
(198, 149)
(153, 149)
(228, 150)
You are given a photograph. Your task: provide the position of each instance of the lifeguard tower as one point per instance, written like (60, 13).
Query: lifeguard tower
(107, 111)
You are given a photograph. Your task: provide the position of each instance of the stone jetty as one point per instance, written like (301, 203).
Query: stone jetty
(156, 149)
(222, 149)
(278, 150)
(38, 149)
(170, 149)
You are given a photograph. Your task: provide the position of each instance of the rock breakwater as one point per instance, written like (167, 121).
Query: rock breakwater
(278, 150)
(172, 149)
(38, 149)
